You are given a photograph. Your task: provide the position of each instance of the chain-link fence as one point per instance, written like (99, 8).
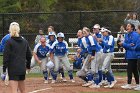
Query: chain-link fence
(67, 22)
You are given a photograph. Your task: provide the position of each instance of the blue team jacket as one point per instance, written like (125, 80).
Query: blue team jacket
(137, 47)
(131, 37)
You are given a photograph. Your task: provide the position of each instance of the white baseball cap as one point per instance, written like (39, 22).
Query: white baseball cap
(60, 34)
(105, 30)
(14, 23)
(52, 33)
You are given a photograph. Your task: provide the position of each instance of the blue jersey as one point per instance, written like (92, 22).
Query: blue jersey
(79, 42)
(3, 42)
(108, 44)
(59, 48)
(98, 35)
(92, 44)
(82, 44)
(41, 51)
(130, 38)
(51, 42)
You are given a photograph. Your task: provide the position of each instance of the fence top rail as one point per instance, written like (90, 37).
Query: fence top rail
(21, 13)
(104, 11)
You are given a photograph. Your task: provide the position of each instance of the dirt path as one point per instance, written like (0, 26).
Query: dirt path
(36, 85)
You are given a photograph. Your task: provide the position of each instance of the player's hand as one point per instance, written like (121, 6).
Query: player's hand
(91, 58)
(72, 58)
(132, 44)
(99, 40)
(94, 36)
(78, 55)
(120, 43)
(39, 62)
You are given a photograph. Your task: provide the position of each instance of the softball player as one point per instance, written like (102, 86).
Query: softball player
(108, 49)
(82, 44)
(50, 41)
(84, 73)
(94, 51)
(59, 54)
(77, 60)
(51, 38)
(40, 55)
(98, 35)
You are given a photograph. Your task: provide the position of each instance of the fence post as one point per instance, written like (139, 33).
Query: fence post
(80, 19)
(3, 24)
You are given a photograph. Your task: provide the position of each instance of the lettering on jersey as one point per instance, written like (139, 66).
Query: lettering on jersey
(61, 48)
(43, 53)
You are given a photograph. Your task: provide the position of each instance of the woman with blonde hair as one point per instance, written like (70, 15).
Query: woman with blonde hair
(16, 59)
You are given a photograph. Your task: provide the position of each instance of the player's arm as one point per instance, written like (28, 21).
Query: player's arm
(52, 51)
(51, 56)
(36, 58)
(35, 55)
(93, 48)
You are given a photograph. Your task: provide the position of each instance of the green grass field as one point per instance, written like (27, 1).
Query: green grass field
(121, 74)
